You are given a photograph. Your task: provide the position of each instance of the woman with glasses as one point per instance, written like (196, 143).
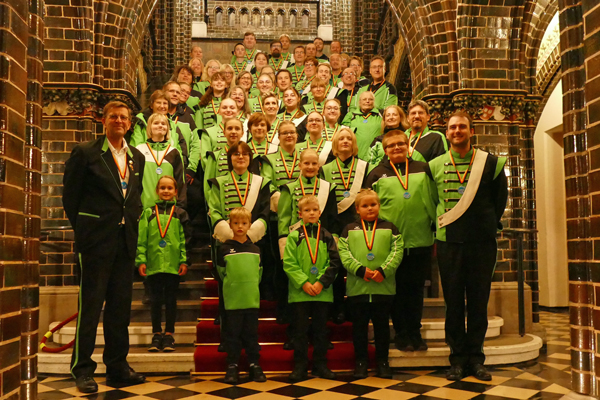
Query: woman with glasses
(315, 101)
(228, 73)
(210, 68)
(315, 124)
(310, 72)
(246, 81)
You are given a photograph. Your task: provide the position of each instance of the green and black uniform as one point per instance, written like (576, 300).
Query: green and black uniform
(206, 116)
(163, 249)
(322, 146)
(239, 266)
(366, 126)
(413, 213)
(378, 246)
(467, 222)
(299, 266)
(423, 147)
(385, 95)
(297, 73)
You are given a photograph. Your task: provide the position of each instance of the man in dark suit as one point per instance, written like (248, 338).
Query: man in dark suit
(101, 197)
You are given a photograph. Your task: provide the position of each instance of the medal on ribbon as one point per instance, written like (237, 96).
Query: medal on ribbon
(313, 256)
(370, 255)
(287, 171)
(163, 242)
(159, 170)
(345, 182)
(237, 189)
(462, 178)
(405, 182)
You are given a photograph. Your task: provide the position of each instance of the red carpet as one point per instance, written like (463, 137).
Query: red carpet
(272, 336)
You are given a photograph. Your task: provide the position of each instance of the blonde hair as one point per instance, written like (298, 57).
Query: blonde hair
(365, 193)
(308, 152)
(154, 117)
(336, 137)
(240, 213)
(403, 121)
(307, 200)
(166, 177)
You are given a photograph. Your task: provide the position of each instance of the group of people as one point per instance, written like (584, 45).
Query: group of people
(321, 193)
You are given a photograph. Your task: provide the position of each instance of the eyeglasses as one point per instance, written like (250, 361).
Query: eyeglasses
(314, 121)
(332, 108)
(349, 74)
(376, 66)
(118, 117)
(394, 145)
(287, 133)
(214, 67)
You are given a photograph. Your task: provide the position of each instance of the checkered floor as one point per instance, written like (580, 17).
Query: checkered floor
(548, 377)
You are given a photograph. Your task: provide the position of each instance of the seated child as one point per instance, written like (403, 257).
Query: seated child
(239, 266)
(311, 262)
(161, 257)
(371, 250)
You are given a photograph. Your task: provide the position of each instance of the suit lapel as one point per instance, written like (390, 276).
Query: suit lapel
(109, 163)
(133, 177)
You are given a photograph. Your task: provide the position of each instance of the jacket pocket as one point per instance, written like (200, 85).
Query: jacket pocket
(89, 215)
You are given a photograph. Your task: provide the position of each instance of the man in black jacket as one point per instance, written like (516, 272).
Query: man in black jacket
(101, 197)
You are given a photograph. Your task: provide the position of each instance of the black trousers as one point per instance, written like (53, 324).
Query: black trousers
(466, 269)
(110, 281)
(279, 275)
(339, 291)
(240, 332)
(195, 196)
(319, 310)
(379, 313)
(269, 263)
(163, 290)
(407, 310)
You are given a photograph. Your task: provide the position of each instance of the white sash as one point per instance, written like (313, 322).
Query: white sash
(324, 187)
(298, 121)
(255, 186)
(273, 148)
(361, 168)
(332, 93)
(324, 153)
(470, 191)
(249, 66)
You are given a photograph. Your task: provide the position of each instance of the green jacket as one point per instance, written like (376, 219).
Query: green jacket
(287, 212)
(365, 132)
(298, 266)
(388, 249)
(201, 86)
(139, 135)
(163, 259)
(272, 168)
(297, 73)
(212, 139)
(385, 95)
(428, 146)
(171, 165)
(206, 116)
(240, 269)
(481, 220)
(413, 216)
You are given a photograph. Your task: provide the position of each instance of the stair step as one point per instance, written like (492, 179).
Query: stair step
(210, 308)
(269, 331)
(188, 290)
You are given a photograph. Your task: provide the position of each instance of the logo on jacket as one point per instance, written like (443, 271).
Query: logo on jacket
(231, 251)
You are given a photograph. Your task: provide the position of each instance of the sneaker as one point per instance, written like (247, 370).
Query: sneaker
(157, 343)
(168, 343)
(361, 371)
(298, 374)
(256, 374)
(231, 375)
(323, 372)
(383, 370)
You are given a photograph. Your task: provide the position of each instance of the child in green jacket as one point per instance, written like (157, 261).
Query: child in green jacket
(240, 269)
(371, 250)
(161, 257)
(311, 262)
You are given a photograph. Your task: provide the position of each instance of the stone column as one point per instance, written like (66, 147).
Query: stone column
(20, 167)
(580, 54)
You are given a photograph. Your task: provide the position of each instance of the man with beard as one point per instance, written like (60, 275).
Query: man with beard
(276, 60)
(319, 44)
(425, 144)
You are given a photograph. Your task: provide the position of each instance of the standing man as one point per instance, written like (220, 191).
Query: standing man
(319, 45)
(249, 43)
(336, 68)
(336, 47)
(471, 197)
(425, 144)
(297, 69)
(101, 197)
(311, 50)
(276, 60)
(385, 93)
(285, 48)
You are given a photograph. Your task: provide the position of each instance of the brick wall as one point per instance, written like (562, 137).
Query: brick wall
(20, 165)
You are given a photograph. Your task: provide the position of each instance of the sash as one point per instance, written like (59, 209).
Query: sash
(333, 92)
(361, 168)
(272, 148)
(470, 191)
(249, 66)
(255, 186)
(298, 121)
(324, 153)
(324, 187)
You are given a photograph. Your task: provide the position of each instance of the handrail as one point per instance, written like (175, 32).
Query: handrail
(518, 233)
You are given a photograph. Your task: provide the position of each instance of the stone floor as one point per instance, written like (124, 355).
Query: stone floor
(547, 377)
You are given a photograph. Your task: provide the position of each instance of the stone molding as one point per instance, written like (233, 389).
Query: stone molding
(83, 101)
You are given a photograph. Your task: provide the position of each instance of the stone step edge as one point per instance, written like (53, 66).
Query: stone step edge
(433, 329)
(182, 360)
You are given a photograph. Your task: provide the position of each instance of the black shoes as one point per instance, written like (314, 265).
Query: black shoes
(256, 373)
(157, 343)
(361, 371)
(455, 373)
(231, 375)
(298, 374)
(128, 376)
(323, 372)
(86, 384)
(339, 318)
(403, 343)
(419, 344)
(480, 372)
(384, 370)
(168, 343)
